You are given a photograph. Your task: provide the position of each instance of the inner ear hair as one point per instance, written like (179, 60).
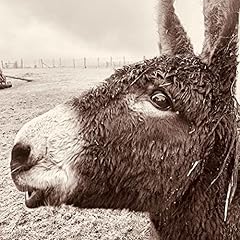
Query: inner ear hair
(172, 36)
(221, 28)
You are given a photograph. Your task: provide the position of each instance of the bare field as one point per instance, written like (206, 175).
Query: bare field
(18, 105)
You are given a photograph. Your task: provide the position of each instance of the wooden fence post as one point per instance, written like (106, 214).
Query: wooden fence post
(111, 62)
(85, 62)
(60, 62)
(124, 60)
(22, 65)
(98, 62)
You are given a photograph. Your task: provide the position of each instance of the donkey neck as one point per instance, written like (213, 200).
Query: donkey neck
(200, 212)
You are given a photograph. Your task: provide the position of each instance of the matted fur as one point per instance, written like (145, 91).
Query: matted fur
(180, 164)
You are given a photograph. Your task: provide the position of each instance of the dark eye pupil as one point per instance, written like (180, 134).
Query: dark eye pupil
(161, 101)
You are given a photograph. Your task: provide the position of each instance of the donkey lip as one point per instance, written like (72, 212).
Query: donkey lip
(34, 198)
(20, 187)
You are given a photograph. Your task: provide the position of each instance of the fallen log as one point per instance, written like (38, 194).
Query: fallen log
(20, 78)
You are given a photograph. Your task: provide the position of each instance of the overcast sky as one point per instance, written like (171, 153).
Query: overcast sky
(75, 28)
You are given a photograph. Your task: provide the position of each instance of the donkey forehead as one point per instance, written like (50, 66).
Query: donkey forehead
(182, 76)
(187, 69)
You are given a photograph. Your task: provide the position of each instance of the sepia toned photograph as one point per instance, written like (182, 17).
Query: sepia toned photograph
(119, 120)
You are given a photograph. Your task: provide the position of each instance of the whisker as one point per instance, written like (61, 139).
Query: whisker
(193, 167)
(16, 169)
(224, 162)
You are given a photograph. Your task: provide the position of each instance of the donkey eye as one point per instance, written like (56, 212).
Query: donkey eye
(161, 101)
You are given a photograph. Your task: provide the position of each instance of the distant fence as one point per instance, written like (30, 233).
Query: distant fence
(84, 62)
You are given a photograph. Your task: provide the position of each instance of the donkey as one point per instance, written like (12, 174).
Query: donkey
(157, 136)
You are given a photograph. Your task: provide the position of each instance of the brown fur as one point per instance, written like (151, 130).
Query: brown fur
(181, 168)
(173, 38)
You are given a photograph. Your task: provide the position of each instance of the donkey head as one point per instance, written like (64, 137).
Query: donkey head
(143, 137)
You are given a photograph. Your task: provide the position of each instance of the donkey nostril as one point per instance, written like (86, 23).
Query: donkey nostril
(20, 155)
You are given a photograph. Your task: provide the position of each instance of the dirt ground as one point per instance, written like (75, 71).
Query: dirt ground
(18, 105)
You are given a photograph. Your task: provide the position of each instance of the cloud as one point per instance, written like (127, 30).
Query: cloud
(86, 27)
(121, 26)
(32, 29)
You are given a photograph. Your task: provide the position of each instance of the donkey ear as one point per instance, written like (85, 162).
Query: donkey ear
(173, 38)
(221, 27)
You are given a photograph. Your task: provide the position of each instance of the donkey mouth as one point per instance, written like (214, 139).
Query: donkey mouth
(34, 198)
